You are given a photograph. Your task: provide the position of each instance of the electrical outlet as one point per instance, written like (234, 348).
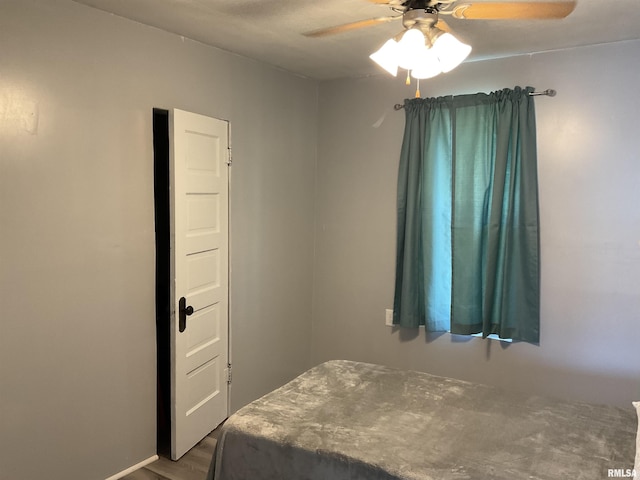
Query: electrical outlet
(388, 321)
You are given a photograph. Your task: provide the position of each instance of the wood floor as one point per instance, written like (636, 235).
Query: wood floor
(194, 465)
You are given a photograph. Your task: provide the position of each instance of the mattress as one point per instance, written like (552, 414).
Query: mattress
(351, 420)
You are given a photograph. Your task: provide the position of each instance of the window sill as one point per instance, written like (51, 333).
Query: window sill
(493, 336)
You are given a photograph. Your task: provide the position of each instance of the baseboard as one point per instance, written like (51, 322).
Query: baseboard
(135, 467)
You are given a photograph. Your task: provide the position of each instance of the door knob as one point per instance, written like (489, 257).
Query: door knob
(183, 313)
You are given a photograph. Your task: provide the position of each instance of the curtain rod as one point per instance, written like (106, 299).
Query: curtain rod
(549, 93)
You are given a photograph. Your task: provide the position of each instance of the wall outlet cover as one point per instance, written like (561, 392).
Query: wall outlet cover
(388, 321)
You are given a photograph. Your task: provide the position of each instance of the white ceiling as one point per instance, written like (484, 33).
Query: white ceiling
(271, 30)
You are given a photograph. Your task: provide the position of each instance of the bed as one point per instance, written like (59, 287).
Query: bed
(358, 421)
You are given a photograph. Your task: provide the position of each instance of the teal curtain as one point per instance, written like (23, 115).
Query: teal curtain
(468, 237)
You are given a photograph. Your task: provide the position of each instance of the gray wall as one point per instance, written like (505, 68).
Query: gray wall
(77, 321)
(589, 164)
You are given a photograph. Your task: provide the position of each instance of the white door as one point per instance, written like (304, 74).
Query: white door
(200, 257)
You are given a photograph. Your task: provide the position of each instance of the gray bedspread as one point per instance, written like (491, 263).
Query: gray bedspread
(349, 420)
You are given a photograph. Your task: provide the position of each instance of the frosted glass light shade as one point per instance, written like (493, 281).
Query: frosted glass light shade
(410, 47)
(450, 51)
(412, 53)
(387, 57)
(427, 66)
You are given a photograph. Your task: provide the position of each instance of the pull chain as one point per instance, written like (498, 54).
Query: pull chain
(408, 82)
(418, 88)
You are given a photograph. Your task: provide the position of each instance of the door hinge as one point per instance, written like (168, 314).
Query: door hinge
(229, 157)
(228, 373)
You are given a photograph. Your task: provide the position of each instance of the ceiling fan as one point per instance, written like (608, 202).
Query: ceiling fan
(426, 47)
(410, 11)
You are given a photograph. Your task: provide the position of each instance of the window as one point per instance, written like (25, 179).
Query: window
(468, 243)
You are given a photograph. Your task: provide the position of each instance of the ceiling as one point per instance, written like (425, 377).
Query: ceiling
(271, 30)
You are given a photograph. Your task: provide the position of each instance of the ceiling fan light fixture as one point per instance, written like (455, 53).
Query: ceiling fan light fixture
(387, 57)
(423, 49)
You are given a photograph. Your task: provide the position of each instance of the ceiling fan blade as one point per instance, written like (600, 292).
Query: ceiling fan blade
(444, 26)
(349, 26)
(513, 10)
